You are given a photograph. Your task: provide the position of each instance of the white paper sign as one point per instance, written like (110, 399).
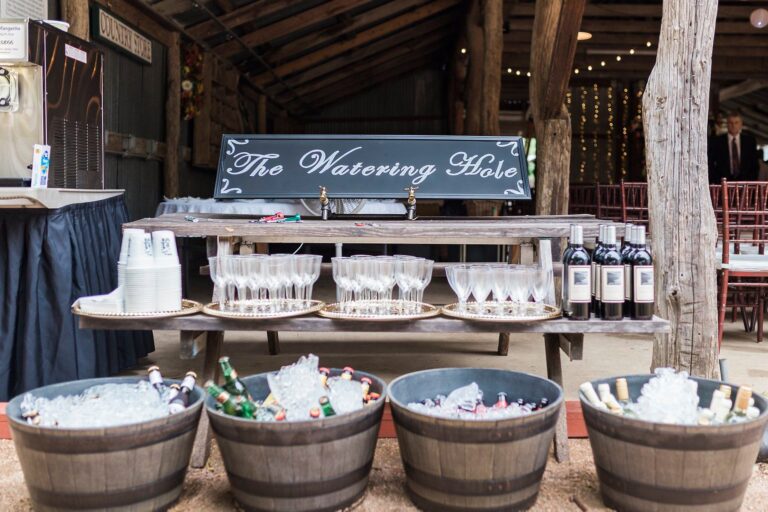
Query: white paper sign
(75, 53)
(13, 41)
(32, 9)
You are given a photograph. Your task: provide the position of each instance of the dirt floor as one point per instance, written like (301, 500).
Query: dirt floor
(570, 486)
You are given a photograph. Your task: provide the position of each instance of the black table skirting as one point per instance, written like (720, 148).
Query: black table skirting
(48, 259)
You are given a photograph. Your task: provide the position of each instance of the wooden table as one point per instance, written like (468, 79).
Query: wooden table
(559, 334)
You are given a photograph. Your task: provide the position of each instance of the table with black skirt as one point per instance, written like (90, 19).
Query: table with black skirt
(55, 247)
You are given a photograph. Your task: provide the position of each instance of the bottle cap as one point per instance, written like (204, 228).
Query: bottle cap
(366, 380)
(622, 390)
(610, 235)
(224, 359)
(604, 390)
(742, 398)
(314, 412)
(153, 369)
(601, 233)
(209, 383)
(349, 369)
(577, 235)
(324, 370)
(323, 400)
(175, 386)
(628, 230)
(726, 390)
(640, 235)
(374, 396)
(192, 374)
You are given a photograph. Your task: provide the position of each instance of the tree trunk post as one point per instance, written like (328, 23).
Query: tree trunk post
(75, 12)
(682, 221)
(173, 118)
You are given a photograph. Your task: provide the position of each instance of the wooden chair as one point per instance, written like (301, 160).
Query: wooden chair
(609, 206)
(634, 203)
(582, 199)
(743, 264)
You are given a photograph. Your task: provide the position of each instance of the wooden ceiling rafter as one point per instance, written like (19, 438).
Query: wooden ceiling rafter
(377, 32)
(428, 44)
(372, 81)
(361, 21)
(239, 16)
(439, 24)
(294, 23)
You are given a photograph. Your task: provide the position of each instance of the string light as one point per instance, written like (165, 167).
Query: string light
(582, 138)
(528, 74)
(595, 128)
(602, 63)
(648, 44)
(463, 50)
(509, 70)
(624, 132)
(631, 51)
(611, 136)
(517, 72)
(576, 71)
(589, 68)
(618, 58)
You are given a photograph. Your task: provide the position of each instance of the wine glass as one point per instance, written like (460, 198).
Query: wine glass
(481, 276)
(541, 285)
(228, 271)
(459, 281)
(219, 279)
(255, 266)
(406, 268)
(498, 286)
(314, 265)
(423, 278)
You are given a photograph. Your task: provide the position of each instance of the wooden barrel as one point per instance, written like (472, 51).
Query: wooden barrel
(454, 465)
(133, 467)
(316, 465)
(646, 466)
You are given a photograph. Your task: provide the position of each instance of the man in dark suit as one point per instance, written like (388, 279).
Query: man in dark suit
(733, 155)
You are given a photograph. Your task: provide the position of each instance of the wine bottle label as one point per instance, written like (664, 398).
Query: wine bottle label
(612, 282)
(592, 277)
(643, 283)
(579, 284)
(627, 282)
(597, 273)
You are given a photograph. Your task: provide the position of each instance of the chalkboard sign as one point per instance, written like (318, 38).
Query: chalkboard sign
(371, 166)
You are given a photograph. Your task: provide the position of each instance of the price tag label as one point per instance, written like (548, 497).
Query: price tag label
(13, 41)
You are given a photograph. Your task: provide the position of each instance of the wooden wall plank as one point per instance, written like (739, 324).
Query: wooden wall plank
(172, 117)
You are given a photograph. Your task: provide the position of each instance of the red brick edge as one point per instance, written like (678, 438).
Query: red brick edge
(576, 426)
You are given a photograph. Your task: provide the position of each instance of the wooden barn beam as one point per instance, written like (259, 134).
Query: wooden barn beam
(139, 20)
(172, 7)
(172, 117)
(437, 25)
(742, 88)
(485, 41)
(682, 221)
(555, 28)
(359, 22)
(360, 39)
(75, 12)
(238, 17)
(293, 23)
(618, 10)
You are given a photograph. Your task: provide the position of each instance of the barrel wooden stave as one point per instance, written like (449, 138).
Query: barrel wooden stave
(474, 465)
(321, 464)
(64, 469)
(655, 467)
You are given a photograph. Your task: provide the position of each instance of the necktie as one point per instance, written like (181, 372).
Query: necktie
(734, 157)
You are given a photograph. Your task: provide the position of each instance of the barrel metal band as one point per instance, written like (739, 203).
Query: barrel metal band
(108, 499)
(350, 502)
(298, 489)
(668, 495)
(473, 487)
(645, 436)
(105, 443)
(232, 431)
(461, 434)
(433, 506)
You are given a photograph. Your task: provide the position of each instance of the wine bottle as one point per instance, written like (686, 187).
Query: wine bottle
(626, 258)
(578, 277)
(566, 254)
(597, 256)
(626, 242)
(611, 279)
(642, 278)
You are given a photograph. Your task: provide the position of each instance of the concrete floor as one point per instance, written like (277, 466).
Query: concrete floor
(389, 355)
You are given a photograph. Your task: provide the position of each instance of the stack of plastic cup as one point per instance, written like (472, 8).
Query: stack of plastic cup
(122, 263)
(167, 272)
(139, 282)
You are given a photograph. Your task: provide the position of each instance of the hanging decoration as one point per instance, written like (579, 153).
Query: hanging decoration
(611, 136)
(624, 131)
(595, 130)
(582, 137)
(192, 89)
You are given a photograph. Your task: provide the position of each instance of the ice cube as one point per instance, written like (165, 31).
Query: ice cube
(345, 395)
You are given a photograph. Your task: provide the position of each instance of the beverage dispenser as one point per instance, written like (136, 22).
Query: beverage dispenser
(51, 87)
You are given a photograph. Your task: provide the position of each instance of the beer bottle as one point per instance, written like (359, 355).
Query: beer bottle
(324, 374)
(175, 389)
(372, 396)
(366, 384)
(180, 400)
(347, 373)
(232, 382)
(223, 398)
(280, 416)
(726, 389)
(740, 406)
(544, 402)
(326, 407)
(314, 412)
(247, 410)
(501, 400)
(156, 378)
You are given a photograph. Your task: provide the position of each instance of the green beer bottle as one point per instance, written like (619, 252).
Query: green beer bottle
(247, 410)
(232, 382)
(326, 407)
(222, 397)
